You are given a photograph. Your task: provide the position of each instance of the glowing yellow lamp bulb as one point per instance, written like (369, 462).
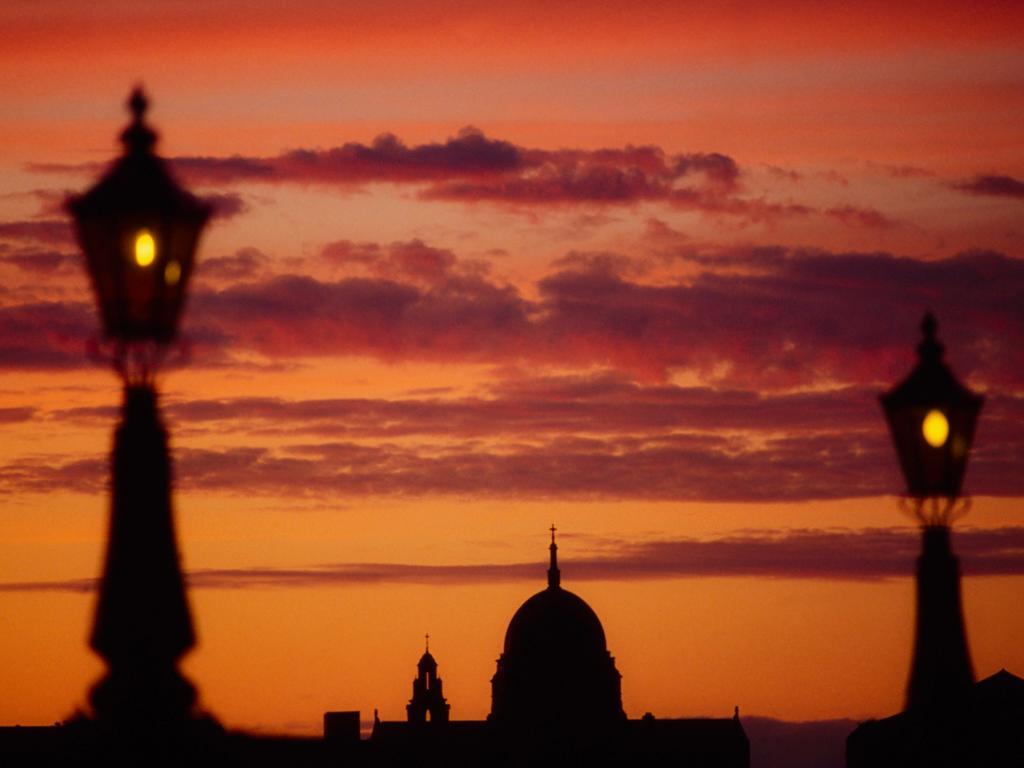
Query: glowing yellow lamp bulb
(172, 273)
(935, 428)
(145, 248)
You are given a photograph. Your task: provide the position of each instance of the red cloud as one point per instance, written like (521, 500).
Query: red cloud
(45, 232)
(774, 319)
(600, 405)
(226, 205)
(998, 186)
(861, 217)
(471, 167)
(677, 465)
(858, 555)
(43, 262)
(45, 335)
(463, 318)
(244, 264)
(781, 327)
(413, 260)
(16, 414)
(386, 159)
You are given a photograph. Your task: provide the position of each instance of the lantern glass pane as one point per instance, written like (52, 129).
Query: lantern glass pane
(145, 248)
(935, 428)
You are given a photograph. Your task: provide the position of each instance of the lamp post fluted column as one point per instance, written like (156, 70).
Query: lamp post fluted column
(941, 673)
(143, 625)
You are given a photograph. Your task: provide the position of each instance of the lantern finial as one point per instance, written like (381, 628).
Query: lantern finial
(138, 137)
(930, 348)
(137, 102)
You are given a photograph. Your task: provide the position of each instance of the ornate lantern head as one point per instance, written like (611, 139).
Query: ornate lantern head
(932, 418)
(139, 231)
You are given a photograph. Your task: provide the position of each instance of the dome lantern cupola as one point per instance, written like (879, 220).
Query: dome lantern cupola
(554, 575)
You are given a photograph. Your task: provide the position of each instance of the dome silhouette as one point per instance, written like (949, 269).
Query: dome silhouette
(555, 622)
(555, 668)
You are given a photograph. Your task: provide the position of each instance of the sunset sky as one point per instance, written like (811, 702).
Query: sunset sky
(638, 269)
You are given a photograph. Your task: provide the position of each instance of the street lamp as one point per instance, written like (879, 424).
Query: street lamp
(932, 418)
(138, 230)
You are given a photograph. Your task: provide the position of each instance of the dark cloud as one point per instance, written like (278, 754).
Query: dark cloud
(86, 414)
(571, 454)
(468, 153)
(45, 335)
(866, 554)
(997, 186)
(706, 182)
(600, 405)
(859, 555)
(413, 260)
(77, 169)
(224, 170)
(226, 205)
(471, 167)
(835, 177)
(554, 183)
(463, 318)
(44, 475)
(869, 218)
(244, 264)
(387, 158)
(786, 317)
(763, 318)
(907, 171)
(596, 437)
(783, 174)
(48, 232)
(83, 585)
(52, 201)
(756, 210)
(43, 262)
(606, 262)
(12, 415)
(718, 168)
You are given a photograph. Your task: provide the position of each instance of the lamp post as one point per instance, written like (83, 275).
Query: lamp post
(932, 418)
(138, 230)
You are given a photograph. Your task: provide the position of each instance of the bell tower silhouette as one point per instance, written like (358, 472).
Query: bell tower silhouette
(427, 702)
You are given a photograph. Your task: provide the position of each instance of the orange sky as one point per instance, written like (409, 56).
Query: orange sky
(650, 296)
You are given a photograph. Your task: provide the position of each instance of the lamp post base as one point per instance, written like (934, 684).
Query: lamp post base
(143, 706)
